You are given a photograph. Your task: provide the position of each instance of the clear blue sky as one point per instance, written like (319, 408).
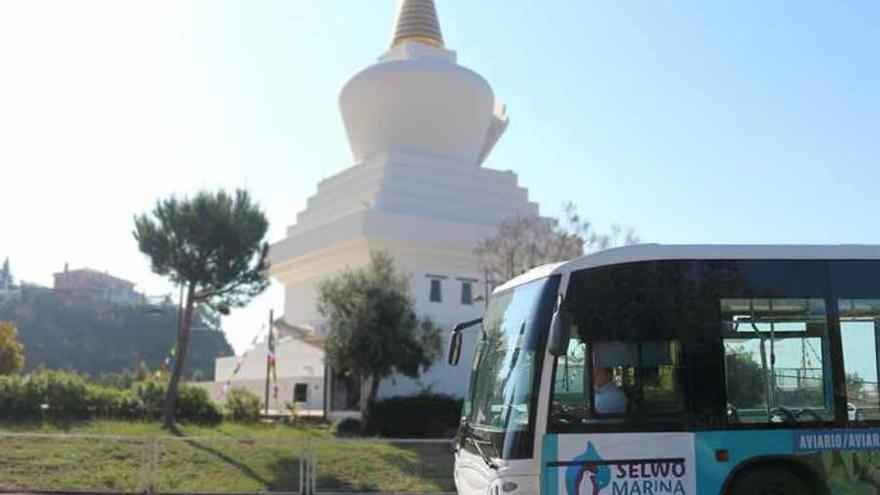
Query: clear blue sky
(731, 122)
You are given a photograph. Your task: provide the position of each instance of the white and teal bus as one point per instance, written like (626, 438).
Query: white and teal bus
(655, 370)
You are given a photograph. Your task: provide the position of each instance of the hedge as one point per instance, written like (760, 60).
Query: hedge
(193, 403)
(60, 395)
(419, 416)
(243, 405)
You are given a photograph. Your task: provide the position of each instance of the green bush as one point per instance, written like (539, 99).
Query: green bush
(196, 406)
(54, 394)
(419, 416)
(150, 395)
(109, 402)
(243, 405)
(14, 402)
(292, 417)
(348, 427)
(59, 395)
(65, 394)
(193, 403)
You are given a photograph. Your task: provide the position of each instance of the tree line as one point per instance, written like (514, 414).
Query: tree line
(213, 246)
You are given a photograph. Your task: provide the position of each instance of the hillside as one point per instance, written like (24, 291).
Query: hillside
(95, 338)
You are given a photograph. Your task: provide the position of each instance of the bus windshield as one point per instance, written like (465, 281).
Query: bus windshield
(499, 411)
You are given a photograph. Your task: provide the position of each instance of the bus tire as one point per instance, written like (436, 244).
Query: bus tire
(770, 480)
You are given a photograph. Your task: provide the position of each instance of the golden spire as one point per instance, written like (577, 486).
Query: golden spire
(417, 21)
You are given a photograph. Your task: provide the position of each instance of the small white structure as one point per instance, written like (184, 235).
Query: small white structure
(420, 127)
(299, 368)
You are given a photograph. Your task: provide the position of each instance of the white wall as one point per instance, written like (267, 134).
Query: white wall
(419, 127)
(294, 358)
(313, 406)
(417, 261)
(413, 185)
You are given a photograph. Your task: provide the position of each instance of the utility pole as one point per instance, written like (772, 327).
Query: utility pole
(486, 286)
(270, 356)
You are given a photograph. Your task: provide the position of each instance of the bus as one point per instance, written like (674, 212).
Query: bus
(659, 370)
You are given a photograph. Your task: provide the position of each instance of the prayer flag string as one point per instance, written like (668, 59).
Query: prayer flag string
(239, 361)
(273, 361)
(165, 367)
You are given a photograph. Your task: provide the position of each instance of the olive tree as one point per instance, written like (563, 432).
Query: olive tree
(373, 329)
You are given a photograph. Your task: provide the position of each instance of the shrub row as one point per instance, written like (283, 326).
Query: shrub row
(60, 395)
(243, 405)
(420, 416)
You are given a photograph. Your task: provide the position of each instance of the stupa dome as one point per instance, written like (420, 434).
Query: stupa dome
(417, 99)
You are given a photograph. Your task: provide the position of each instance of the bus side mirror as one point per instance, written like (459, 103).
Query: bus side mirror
(455, 340)
(560, 330)
(454, 353)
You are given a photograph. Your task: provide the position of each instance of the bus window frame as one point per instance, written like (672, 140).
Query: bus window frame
(835, 347)
(525, 448)
(843, 284)
(619, 423)
(711, 350)
(672, 421)
(827, 355)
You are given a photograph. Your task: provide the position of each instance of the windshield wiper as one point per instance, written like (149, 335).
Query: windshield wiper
(468, 434)
(488, 460)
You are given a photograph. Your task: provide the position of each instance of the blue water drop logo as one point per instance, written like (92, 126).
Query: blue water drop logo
(599, 475)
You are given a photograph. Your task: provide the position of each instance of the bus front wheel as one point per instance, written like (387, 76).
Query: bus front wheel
(769, 480)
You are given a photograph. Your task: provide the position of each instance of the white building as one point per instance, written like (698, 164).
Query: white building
(299, 368)
(420, 128)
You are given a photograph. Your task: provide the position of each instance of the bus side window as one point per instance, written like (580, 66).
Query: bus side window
(648, 372)
(859, 327)
(569, 385)
(776, 366)
(632, 321)
(637, 381)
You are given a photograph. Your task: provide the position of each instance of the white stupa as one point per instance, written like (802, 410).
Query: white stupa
(420, 128)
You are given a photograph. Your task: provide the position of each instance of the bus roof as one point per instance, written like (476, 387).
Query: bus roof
(656, 252)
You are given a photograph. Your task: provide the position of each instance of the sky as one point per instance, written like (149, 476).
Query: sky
(692, 122)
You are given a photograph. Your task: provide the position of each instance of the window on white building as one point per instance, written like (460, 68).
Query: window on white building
(301, 392)
(467, 292)
(436, 294)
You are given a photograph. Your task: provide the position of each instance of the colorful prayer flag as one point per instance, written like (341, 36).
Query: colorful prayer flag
(239, 362)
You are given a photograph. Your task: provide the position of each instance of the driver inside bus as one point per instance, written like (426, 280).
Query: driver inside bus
(608, 398)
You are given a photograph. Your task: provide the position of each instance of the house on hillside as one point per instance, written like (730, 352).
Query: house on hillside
(93, 285)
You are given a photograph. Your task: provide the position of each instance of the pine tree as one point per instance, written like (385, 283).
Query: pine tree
(213, 246)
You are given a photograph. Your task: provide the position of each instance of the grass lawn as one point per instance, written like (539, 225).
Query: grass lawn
(113, 455)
